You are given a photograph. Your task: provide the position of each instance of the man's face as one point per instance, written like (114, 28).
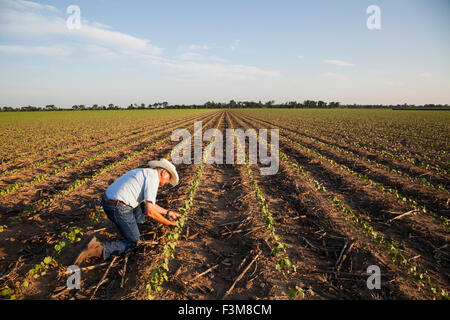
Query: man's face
(164, 177)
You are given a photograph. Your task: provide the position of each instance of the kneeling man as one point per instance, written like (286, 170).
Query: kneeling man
(126, 202)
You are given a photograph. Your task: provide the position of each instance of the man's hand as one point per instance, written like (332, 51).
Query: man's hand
(155, 212)
(173, 215)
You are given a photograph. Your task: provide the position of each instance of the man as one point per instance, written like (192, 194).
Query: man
(127, 201)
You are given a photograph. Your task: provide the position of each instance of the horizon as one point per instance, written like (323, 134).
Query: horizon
(191, 53)
(219, 105)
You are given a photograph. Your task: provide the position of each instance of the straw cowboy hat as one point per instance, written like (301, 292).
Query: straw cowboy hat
(166, 165)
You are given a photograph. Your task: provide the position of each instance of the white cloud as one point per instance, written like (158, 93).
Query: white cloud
(41, 50)
(190, 56)
(102, 52)
(339, 63)
(32, 21)
(198, 47)
(101, 25)
(191, 69)
(217, 59)
(16, 19)
(22, 4)
(118, 40)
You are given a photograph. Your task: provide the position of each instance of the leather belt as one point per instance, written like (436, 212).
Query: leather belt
(116, 202)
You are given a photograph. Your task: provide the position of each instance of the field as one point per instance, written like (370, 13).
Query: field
(355, 188)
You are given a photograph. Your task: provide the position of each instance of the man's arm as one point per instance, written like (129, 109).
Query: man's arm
(156, 212)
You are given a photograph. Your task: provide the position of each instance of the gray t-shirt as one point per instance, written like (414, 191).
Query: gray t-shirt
(134, 187)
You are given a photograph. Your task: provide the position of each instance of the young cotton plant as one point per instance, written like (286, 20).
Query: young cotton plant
(68, 238)
(391, 247)
(327, 144)
(278, 248)
(79, 182)
(159, 274)
(390, 191)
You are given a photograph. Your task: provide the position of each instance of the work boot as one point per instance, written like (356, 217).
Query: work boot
(92, 249)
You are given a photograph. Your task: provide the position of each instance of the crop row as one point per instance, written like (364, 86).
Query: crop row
(391, 247)
(60, 135)
(390, 191)
(278, 248)
(395, 141)
(159, 274)
(84, 134)
(420, 159)
(40, 269)
(79, 163)
(97, 144)
(45, 202)
(16, 153)
(421, 181)
(45, 149)
(74, 234)
(394, 137)
(360, 143)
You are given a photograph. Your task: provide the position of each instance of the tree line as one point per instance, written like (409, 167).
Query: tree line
(232, 104)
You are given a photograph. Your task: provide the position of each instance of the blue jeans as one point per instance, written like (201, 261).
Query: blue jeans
(126, 219)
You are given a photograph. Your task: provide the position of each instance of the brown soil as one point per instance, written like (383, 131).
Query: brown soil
(409, 168)
(38, 235)
(225, 230)
(63, 145)
(433, 199)
(75, 153)
(15, 202)
(420, 235)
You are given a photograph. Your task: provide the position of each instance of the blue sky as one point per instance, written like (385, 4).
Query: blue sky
(194, 51)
